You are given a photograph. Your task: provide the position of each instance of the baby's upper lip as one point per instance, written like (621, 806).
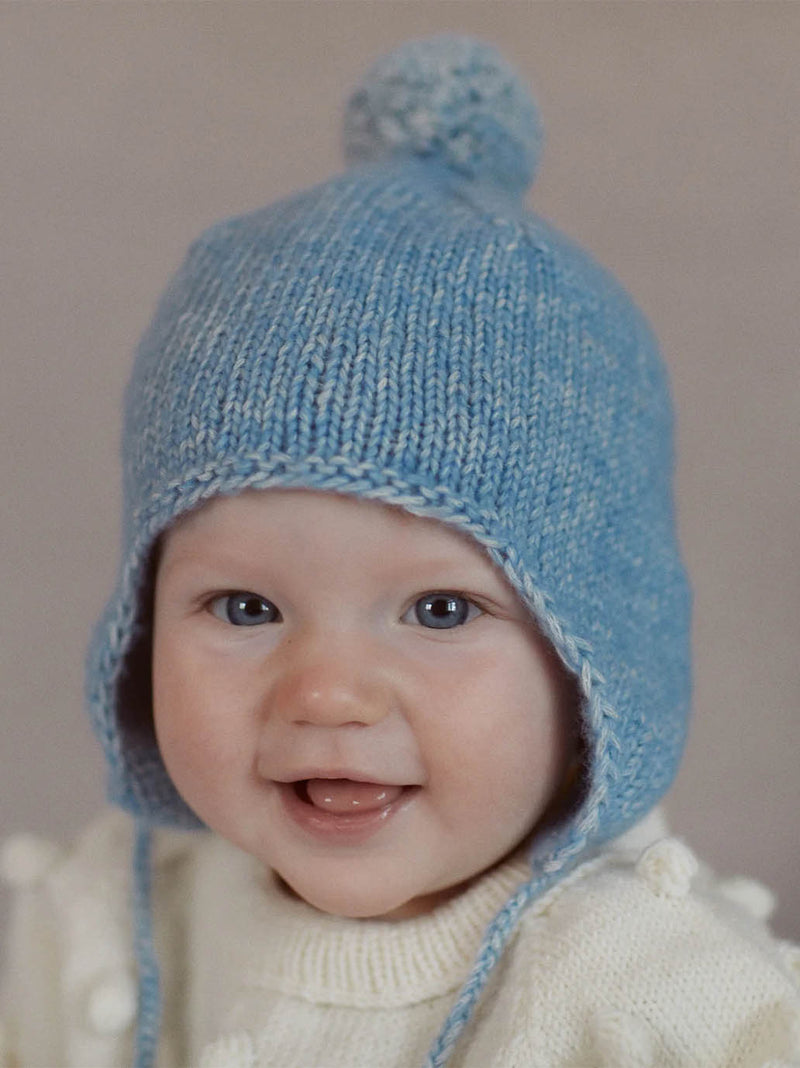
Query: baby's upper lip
(305, 772)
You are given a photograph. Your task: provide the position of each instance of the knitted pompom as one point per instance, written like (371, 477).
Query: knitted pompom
(25, 860)
(452, 98)
(231, 1051)
(790, 954)
(668, 868)
(111, 1003)
(750, 895)
(622, 1040)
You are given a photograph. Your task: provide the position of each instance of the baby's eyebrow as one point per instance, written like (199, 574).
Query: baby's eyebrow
(199, 560)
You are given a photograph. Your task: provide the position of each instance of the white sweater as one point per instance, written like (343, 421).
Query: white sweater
(636, 960)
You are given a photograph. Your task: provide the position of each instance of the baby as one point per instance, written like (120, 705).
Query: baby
(401, 631)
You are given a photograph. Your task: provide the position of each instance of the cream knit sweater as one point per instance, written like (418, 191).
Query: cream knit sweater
(636, 960)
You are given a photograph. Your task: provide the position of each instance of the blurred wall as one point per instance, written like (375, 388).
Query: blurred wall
(673, 153)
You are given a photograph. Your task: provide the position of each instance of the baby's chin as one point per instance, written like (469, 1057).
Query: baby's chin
(363, 903)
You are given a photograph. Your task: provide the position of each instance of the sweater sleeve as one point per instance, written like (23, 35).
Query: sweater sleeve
(654, 964)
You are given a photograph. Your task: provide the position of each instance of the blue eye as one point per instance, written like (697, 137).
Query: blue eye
(243, 609)
(442, 611)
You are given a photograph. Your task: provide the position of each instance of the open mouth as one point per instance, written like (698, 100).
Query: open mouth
(347, 797)
(343, 811)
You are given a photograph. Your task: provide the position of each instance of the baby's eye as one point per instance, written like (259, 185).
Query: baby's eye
(442, 611)
(244, 609)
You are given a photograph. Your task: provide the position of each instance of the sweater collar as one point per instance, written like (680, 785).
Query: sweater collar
(293, 948)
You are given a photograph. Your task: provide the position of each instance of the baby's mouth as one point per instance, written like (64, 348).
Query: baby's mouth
(347, 796)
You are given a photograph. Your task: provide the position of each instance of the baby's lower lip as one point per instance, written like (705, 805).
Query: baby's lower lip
(331, 818)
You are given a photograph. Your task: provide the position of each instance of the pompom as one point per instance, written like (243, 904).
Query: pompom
(25, 859)
(750, 895)
(790, 955)
(788, 1024)
(622, 1040)
(232, 1051)
(451, 98)
(111, 1004)
(668, 868)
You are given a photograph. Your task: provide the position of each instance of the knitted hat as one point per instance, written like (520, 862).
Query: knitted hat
(408, 332)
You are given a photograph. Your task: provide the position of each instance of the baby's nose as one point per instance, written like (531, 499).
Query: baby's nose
(330, 687)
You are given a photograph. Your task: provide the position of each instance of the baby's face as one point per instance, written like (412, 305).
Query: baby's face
(352, 695)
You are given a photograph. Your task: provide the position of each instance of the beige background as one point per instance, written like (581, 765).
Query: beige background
(673, 153)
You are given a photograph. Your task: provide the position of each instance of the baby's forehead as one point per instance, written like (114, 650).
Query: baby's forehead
(288, 523)
(300, 507)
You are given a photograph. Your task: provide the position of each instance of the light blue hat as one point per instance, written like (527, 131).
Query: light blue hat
(409, 332)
